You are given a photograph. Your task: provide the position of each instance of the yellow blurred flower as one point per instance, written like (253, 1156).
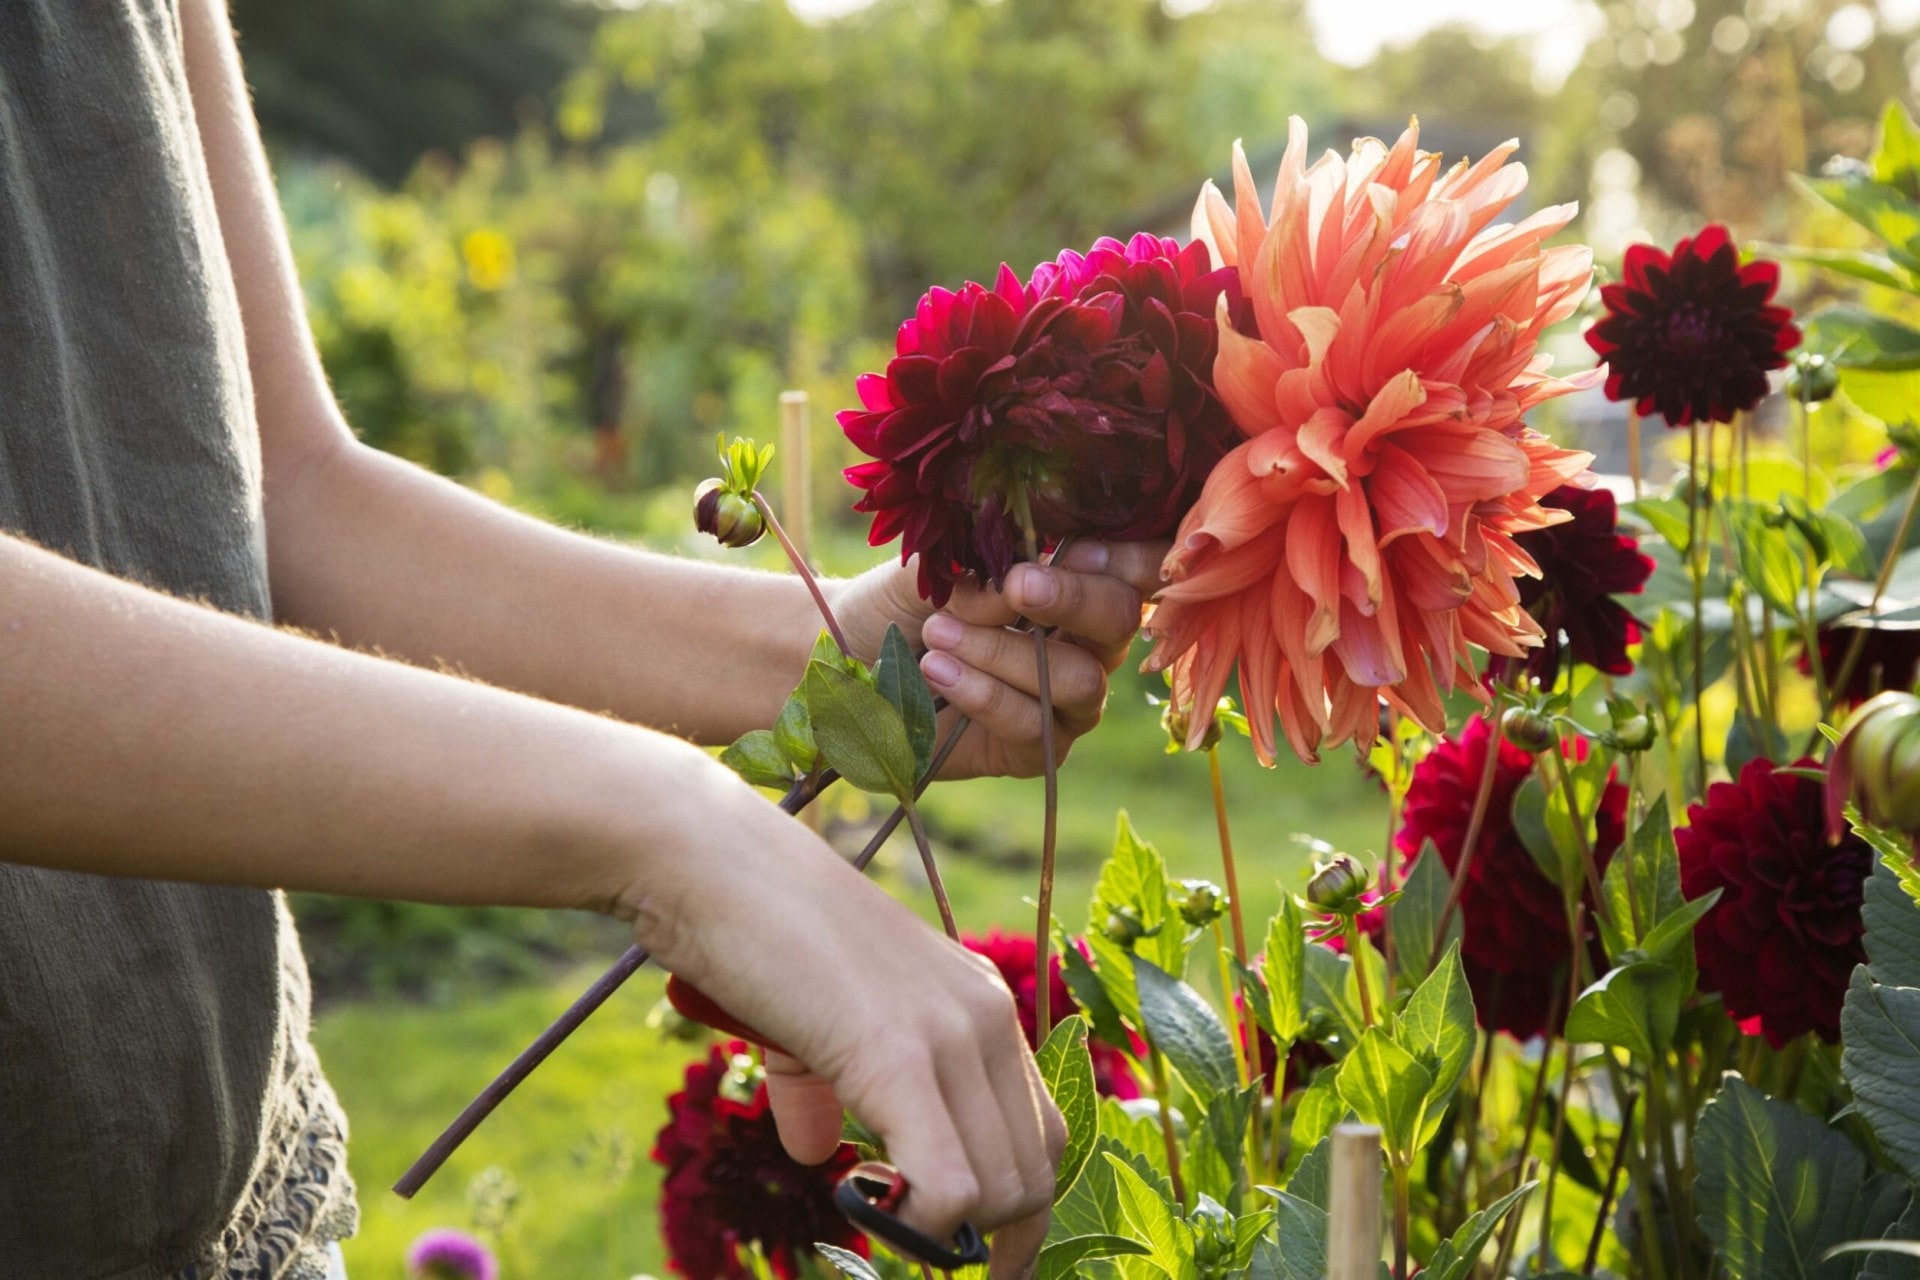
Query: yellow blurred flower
(489, 258)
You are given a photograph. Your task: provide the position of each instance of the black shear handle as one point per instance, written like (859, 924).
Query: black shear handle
(870, 1192)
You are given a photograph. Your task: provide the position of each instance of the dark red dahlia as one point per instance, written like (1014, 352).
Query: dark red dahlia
(1514, 941)
(1583, 563)
(1012, 955)
(1690, 336)
(729, 1183)
(1889, 659)
(1782, 941)
(1088, 390)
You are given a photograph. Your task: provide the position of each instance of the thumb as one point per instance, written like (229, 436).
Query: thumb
(806, 1111)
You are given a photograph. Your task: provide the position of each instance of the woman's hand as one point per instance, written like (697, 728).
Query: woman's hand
(988, 671)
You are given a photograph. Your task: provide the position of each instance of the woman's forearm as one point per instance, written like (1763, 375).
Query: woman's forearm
(150, 737)
(387, 556)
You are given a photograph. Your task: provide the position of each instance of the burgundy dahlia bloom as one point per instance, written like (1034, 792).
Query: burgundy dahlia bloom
(446, 1254)
(1012, 954)
(729, 1183)
(1782, 941)
(1583, 564)
(1088, 389)
(1889, 659)
(1514, 942)
(1690, 335)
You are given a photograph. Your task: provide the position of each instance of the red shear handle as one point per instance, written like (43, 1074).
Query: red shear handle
(695, 1005)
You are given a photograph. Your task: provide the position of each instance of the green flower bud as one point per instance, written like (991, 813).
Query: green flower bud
(1201, 902)
(1877, 764)
(728, 516)
(1632, 728)
(1528, 730)
(1213, 1242)
(1178, 722)
(1338, 886)
(1125, 926)
(742, 1080)
(1811, 378)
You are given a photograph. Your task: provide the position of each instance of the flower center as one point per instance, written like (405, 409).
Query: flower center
(1692, 329)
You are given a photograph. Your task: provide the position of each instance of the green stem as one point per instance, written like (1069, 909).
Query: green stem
(1157, 1067)
(1697, 577)
(1226, 856)
(1620, 1148)
(1858, 643)
(1553, 1156)
(1402, 1213)
(1350, 930)
(1660, 1123)
(1587, 861)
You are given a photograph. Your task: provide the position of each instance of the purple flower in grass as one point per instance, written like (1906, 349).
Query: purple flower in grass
(446, 1254)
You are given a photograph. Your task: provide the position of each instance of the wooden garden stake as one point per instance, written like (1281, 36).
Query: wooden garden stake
(1353, 1210)
(796, 488)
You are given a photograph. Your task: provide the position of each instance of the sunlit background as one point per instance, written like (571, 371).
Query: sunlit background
(552, 247)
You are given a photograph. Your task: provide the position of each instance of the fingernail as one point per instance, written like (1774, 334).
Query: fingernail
(941, 668)
(1034, 587)
(1087, 557)
(943, 631)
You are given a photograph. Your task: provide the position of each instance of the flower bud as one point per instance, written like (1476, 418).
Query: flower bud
(1632, 729)
(1876, 764)
(1528, 730)
(1201, 902)
(1125, 927)
(726, 515)
(742, 1080)
(1213, 1236)
(1178, 722)
(1338, 886)
(1811, 378)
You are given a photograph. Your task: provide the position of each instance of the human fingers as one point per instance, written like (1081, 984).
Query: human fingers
(806, 1110)
(1076, 679)
(1135, 563)
(1101, 612)
(1016, 1245)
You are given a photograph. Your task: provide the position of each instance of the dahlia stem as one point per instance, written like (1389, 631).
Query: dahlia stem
(1386, 854)
(1512, 1232)
(1474, 823)
(1744, 671)
(1588, 862)
(1858, 643)
(801, 567)
(1402, 1213)
(925, 846)
(1553, 1159)
(1226, 857)
(1697, 574)
(1350, 930)
(1612, 1186)
(1633, 448)
(1050, 823)
(1157, 1067)
(1660, 1121)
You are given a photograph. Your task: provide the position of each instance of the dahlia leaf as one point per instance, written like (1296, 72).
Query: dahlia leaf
(1671, 940)
(1896, 150)
(1642, 883)
(1415, 920)
(793, 731)
(1132, 1129)
(897, 676)
(1061, 1260)
(1551, 843)
(1454, 1258)
(1880, 1022)
(1092, 1206)
(1217, 1151)
(1181, 1025)
(1893, 934)
(1885, 211)
(1067, 1070)
(1767, 560)
(847, 1262)
(1319, 1109)
(1777, 1188)
(859, 733)
(1248, 1233)
(1089, 991)
(1300, 1253)
(1437, 1028)
(1856, 338)
(1312, 1177)
(1667, 517)
(1329, 989)
(1875, 268)
(1134, 878)
(757, 757)
(1284, 968)
(1634, 1007)
(1388, 1087)
(1152, 1220)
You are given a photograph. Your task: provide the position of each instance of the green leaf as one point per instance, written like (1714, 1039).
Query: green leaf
(897, 677)
(1415, 919)
(1284, 968)
(759, 759)
(1134, 1127)
(1181, 1025)
(1300, 1250)
(1896, 150)
(1455, 1257)
(1666, 940)
(1886, 211)
(847, 1262)
(793, 731)
(1151, 1220)
(1643, 880)
(1328, 989)
(1892, 919)
(1089, 992)
(1091, 1206)
(859, 733)
(1667, 517)
(1766, 557)
(1437, 1029)
(827, 650)
(1541, 820)
(1855, 338)
(1386, 1086)
(1134, 876)
(1319, 1109)
(1777, 1188)
(1634, 1007)
(1880, 1032)
(1067, 1070)
(1875, 268)
(1217, 1148)
(1062, 1259)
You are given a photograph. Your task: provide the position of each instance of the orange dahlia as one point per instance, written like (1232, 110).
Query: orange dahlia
(1360, 537)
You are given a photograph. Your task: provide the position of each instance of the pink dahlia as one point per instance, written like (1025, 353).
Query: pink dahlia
(730, 1183)
(446, 1254)
(1085, 392)
(1012, 955)
(1361, 535)
(1514, 945)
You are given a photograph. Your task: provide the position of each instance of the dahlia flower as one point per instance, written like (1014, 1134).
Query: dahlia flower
(1690, 335)
(1361, 534)
(1583, 563)
(446, 1254)
(1782, 940)
(1085, 393)
(1514, 941)
(729, 1183)
(1012, 955)
(1889, 659)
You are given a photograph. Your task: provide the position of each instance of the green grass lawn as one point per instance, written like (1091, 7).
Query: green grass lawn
(403, 1069)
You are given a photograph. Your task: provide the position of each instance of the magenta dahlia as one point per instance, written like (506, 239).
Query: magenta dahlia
(1691, 335)
(1584, 564)
(1012, 955)
(1782, 941)
(1889, 659)
(1086, 392)
(446, 1254)
(1514, 941)
(729, 1183)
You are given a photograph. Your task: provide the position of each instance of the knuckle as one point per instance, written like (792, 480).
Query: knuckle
(946, 1196)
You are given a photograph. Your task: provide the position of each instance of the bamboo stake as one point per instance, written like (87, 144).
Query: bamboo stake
(796, 477)
(1353, 1211)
